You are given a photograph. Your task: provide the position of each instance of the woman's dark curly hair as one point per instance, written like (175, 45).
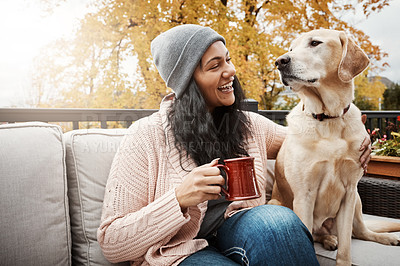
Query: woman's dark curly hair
(204, 135)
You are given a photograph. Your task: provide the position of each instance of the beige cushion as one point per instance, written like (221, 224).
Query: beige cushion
(33, 198)
(365, 253)
(89, 157)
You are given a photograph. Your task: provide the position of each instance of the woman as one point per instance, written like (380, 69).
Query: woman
(162, 204)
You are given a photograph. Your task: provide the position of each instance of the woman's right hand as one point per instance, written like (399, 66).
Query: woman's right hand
(202, 183)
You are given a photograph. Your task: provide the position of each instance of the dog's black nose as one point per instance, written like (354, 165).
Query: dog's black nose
(282, 61)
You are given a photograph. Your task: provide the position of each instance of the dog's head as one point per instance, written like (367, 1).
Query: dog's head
(319, 57)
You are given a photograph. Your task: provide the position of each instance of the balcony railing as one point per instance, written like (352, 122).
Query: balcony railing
(75, 115)
(375, 119)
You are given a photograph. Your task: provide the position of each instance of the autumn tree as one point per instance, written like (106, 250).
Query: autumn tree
(94, 67)
(368, 94)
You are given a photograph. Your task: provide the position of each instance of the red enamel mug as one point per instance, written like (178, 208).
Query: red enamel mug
(241, 183)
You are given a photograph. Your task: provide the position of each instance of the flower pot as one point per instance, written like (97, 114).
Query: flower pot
(384, 166)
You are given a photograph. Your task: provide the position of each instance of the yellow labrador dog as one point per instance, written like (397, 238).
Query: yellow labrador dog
(318, 168)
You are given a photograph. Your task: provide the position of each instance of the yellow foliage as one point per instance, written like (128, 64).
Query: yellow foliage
(95, 70)
(368, 94)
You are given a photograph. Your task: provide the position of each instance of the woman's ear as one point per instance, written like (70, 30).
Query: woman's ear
(353, 61)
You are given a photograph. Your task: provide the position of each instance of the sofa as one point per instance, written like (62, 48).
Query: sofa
(52, 187)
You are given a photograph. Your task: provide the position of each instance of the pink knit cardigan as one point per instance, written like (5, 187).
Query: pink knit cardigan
(141, 219)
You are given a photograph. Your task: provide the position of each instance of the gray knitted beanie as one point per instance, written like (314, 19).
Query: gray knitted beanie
(178, 51)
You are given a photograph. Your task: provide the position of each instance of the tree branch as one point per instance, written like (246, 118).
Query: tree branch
(132, 23)
(263, 5)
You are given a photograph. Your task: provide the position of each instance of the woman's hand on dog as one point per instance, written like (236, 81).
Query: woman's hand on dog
(366, 153)
(366, 148)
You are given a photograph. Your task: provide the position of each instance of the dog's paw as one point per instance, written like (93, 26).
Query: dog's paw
(395, 241)
(389, 239)
(330, 242)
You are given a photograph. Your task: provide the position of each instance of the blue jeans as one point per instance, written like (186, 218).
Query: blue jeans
(263, 235)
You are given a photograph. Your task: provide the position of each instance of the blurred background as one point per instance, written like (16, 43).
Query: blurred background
(96, 54)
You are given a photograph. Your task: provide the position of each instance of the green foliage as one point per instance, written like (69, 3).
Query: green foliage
(389, 147)
(392, 98)
(384, 146)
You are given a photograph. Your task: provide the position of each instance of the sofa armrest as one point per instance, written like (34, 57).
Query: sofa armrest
(380, 196)
(35, 228)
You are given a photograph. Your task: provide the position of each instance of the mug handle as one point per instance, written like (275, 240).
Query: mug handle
(226, 169)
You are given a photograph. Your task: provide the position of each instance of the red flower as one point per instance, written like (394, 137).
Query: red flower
(398, 118)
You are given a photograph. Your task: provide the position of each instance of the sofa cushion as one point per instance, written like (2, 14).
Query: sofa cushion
(365, 253)
(33, 199)
(89, 157)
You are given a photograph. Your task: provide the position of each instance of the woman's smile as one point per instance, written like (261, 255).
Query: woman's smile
(227, 88)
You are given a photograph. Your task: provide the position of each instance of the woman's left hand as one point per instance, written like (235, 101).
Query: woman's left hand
(366, 153)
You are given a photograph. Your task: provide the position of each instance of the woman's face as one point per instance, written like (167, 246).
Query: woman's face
(214, 76)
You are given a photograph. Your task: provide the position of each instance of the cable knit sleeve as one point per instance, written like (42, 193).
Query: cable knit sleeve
(274, 144)
(134, 218)
(272, 133)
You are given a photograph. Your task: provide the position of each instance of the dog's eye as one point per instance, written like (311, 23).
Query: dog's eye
(315, 43)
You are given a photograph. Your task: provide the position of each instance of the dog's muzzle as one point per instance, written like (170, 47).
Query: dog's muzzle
(284, 66)
(282, 62)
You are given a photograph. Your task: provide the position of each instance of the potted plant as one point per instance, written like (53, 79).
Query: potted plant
(385, 161)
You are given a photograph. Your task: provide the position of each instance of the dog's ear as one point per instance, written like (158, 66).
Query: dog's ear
(353, 61)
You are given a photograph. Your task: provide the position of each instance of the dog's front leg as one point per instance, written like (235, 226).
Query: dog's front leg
(344, 222)
(303, 206)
